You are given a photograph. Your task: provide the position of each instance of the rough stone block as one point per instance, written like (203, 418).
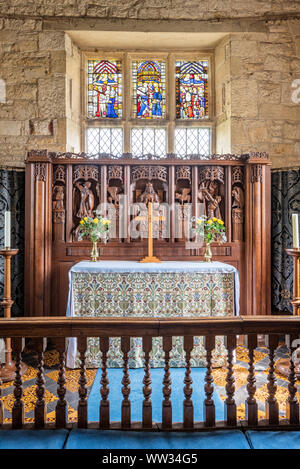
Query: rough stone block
(282, 148)
(269, 92)
(243, 48)
(276, 62)
(51, 97)
(244, 97)
(258, 132)
(10, 127)
(52, 40)
(58, 62)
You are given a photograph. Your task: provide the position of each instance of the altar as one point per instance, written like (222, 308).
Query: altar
(169, 289)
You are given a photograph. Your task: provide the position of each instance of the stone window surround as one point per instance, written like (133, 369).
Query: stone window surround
(127, 122)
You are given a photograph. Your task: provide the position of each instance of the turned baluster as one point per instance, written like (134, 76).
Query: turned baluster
(292, 406)
(188, 408)
(147, 381)
(18, 411)
(126, 418)
(251, 404)
(61, 410)
(104, 390)
(1, 406)
(272, 408)
(167, 404)
(209, 405)
(82, 390)
(230, 405)
(40, 409)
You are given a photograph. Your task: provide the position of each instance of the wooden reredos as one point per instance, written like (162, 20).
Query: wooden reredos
(62, 187)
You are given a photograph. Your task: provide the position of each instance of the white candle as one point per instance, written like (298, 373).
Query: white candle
(295, 230)
(7, 230)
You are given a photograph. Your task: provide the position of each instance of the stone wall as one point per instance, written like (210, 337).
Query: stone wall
(255, 67)
(264, 113)
(33, 66)
(150, 9)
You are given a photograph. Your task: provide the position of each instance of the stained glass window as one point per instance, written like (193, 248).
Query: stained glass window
(149, 89)
(104, 89)
(192, 141)
(147, 140)
(191, 90)
(105, 140)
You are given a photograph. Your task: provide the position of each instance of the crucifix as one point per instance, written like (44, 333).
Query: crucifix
(151, 219)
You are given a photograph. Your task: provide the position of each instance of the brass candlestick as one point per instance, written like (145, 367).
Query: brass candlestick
(8, 369)
(283, 365)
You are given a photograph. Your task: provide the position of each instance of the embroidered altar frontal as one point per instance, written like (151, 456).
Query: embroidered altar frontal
(166, 290)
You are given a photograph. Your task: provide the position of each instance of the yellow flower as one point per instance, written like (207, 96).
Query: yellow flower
(105, 221)
(199, 222)
(215, 219)
(81, 222)
(96, 220)
(209, 221)
(85, 218)
(220, 222)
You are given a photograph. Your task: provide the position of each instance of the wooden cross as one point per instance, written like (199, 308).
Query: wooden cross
(151, 219)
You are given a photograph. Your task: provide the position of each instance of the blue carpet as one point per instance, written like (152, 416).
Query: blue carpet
(136, 395)
(273, 439)
(114, 439)
(33, 439)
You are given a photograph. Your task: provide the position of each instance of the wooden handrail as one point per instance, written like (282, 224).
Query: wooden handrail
(137, 327)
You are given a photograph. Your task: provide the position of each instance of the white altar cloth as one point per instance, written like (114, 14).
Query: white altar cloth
(129, 268)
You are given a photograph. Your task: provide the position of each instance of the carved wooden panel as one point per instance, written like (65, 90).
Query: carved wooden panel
(61, 188)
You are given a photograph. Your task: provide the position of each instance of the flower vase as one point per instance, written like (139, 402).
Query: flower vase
(94, 252)
(208, 253)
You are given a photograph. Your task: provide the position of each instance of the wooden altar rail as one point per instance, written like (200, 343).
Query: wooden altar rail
(59, 328)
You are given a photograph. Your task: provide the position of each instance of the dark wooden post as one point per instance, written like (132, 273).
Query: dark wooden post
(1, 406)
(82, 390)
(292, 406)
(126, 407)
(147, 381)
(61, 410)
(251, 404)
(18, 407)
(230, 405)
(38, 234)
(104, 391)
(7, 371)
(272, 409)
(40, 410)
(188, 408)
(167, 404)
(296, 280)
(208, 404)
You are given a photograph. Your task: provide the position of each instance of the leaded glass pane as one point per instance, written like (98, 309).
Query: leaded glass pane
(104, 89)
(148, 141)
(192, 141)
(149, 89)
(105, 140)
(191, 90)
